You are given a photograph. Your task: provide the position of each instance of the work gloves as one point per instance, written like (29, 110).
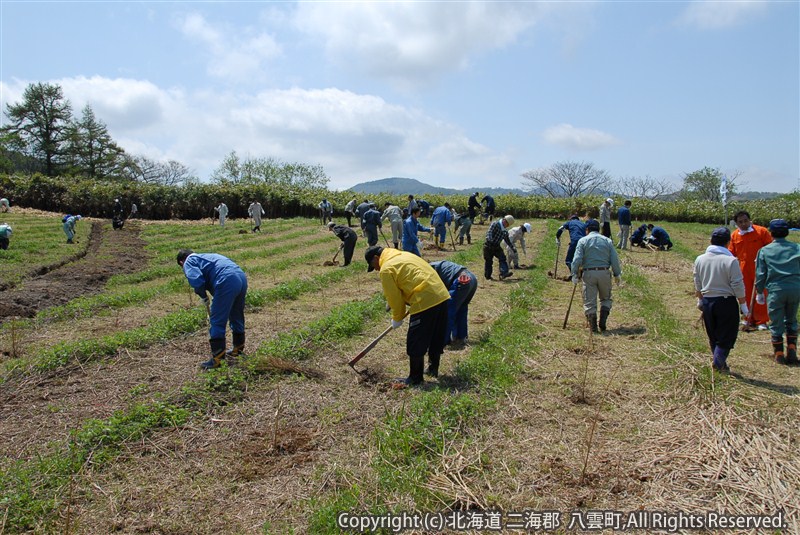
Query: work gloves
(206, 301)
(558, 242)
(575, 279)
(760, 299)
(745, 309)
(618, 280)
(699, 303)
(396, 324)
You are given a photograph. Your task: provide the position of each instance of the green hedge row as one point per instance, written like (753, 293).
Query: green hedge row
(196, 201)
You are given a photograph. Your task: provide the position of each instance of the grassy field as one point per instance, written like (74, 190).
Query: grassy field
(108, 425)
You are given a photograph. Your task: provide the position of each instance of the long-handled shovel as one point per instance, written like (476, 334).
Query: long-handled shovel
(555, 268)
(369, 347)
(337, 252)
(566, 317)
(333, 262)
(208, 313)
(750, 319)
(384, 237)
(452, 240)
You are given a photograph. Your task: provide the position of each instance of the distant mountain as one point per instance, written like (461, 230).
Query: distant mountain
(411, 186)
(752, 195)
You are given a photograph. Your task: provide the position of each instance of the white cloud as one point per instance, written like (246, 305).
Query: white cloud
(570, 137)
(709, 15)
(412, 42)
(231, 56)
(355, 137)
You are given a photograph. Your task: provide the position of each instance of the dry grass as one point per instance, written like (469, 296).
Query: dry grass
(621, 421)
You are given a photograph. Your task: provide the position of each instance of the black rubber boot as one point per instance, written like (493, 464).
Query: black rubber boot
(469, 240)
(777, 348)
(604, 312)
(238, 345)
(217, 354)
(791, 348)
(592, 319)
(461, 241)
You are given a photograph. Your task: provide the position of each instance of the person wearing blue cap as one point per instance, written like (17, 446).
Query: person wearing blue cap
(719, 288)
(778, 271)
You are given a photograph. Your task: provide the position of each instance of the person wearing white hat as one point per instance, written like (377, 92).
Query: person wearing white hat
(496, 235)
(517, 235)
(605, 217)
(4, 205)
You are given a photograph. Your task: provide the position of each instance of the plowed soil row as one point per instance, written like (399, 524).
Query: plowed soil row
(121, 251)
(261, 461)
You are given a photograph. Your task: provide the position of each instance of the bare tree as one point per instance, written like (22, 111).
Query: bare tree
(567, 179)
(170, 173)
(645, 187)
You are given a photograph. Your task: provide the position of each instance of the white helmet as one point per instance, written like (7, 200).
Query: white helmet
(527, 227)
(610, 201)
(509, 219)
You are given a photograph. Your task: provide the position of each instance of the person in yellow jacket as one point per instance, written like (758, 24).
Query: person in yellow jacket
(408, 280)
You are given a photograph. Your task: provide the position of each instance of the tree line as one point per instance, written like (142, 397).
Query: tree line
(42, 136)
(42, 140)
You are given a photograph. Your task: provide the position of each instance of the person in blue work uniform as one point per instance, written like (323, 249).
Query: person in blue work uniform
(424, 208)
(778, 272)
(372, 222)
(222, 278)
(624, 220)
(68, 225)
(577, 230)
(490, 206)
(461, 283)
(638, 236)
(440, 220)
(659, 238)
(594, 262)
(410, 228)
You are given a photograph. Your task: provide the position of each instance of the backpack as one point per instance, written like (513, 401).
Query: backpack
(64, 219)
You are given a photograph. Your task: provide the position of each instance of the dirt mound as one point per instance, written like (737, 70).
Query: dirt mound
(122, 252)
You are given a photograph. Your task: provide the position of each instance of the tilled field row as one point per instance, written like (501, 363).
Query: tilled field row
(262, 457)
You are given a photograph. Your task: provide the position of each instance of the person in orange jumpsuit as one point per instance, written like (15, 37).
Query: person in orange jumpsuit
(745, 244)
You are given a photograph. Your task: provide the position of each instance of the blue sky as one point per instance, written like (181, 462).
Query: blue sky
(450, 93)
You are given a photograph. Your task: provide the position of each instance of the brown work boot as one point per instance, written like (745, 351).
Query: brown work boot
(791, 349)
(777, 348)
